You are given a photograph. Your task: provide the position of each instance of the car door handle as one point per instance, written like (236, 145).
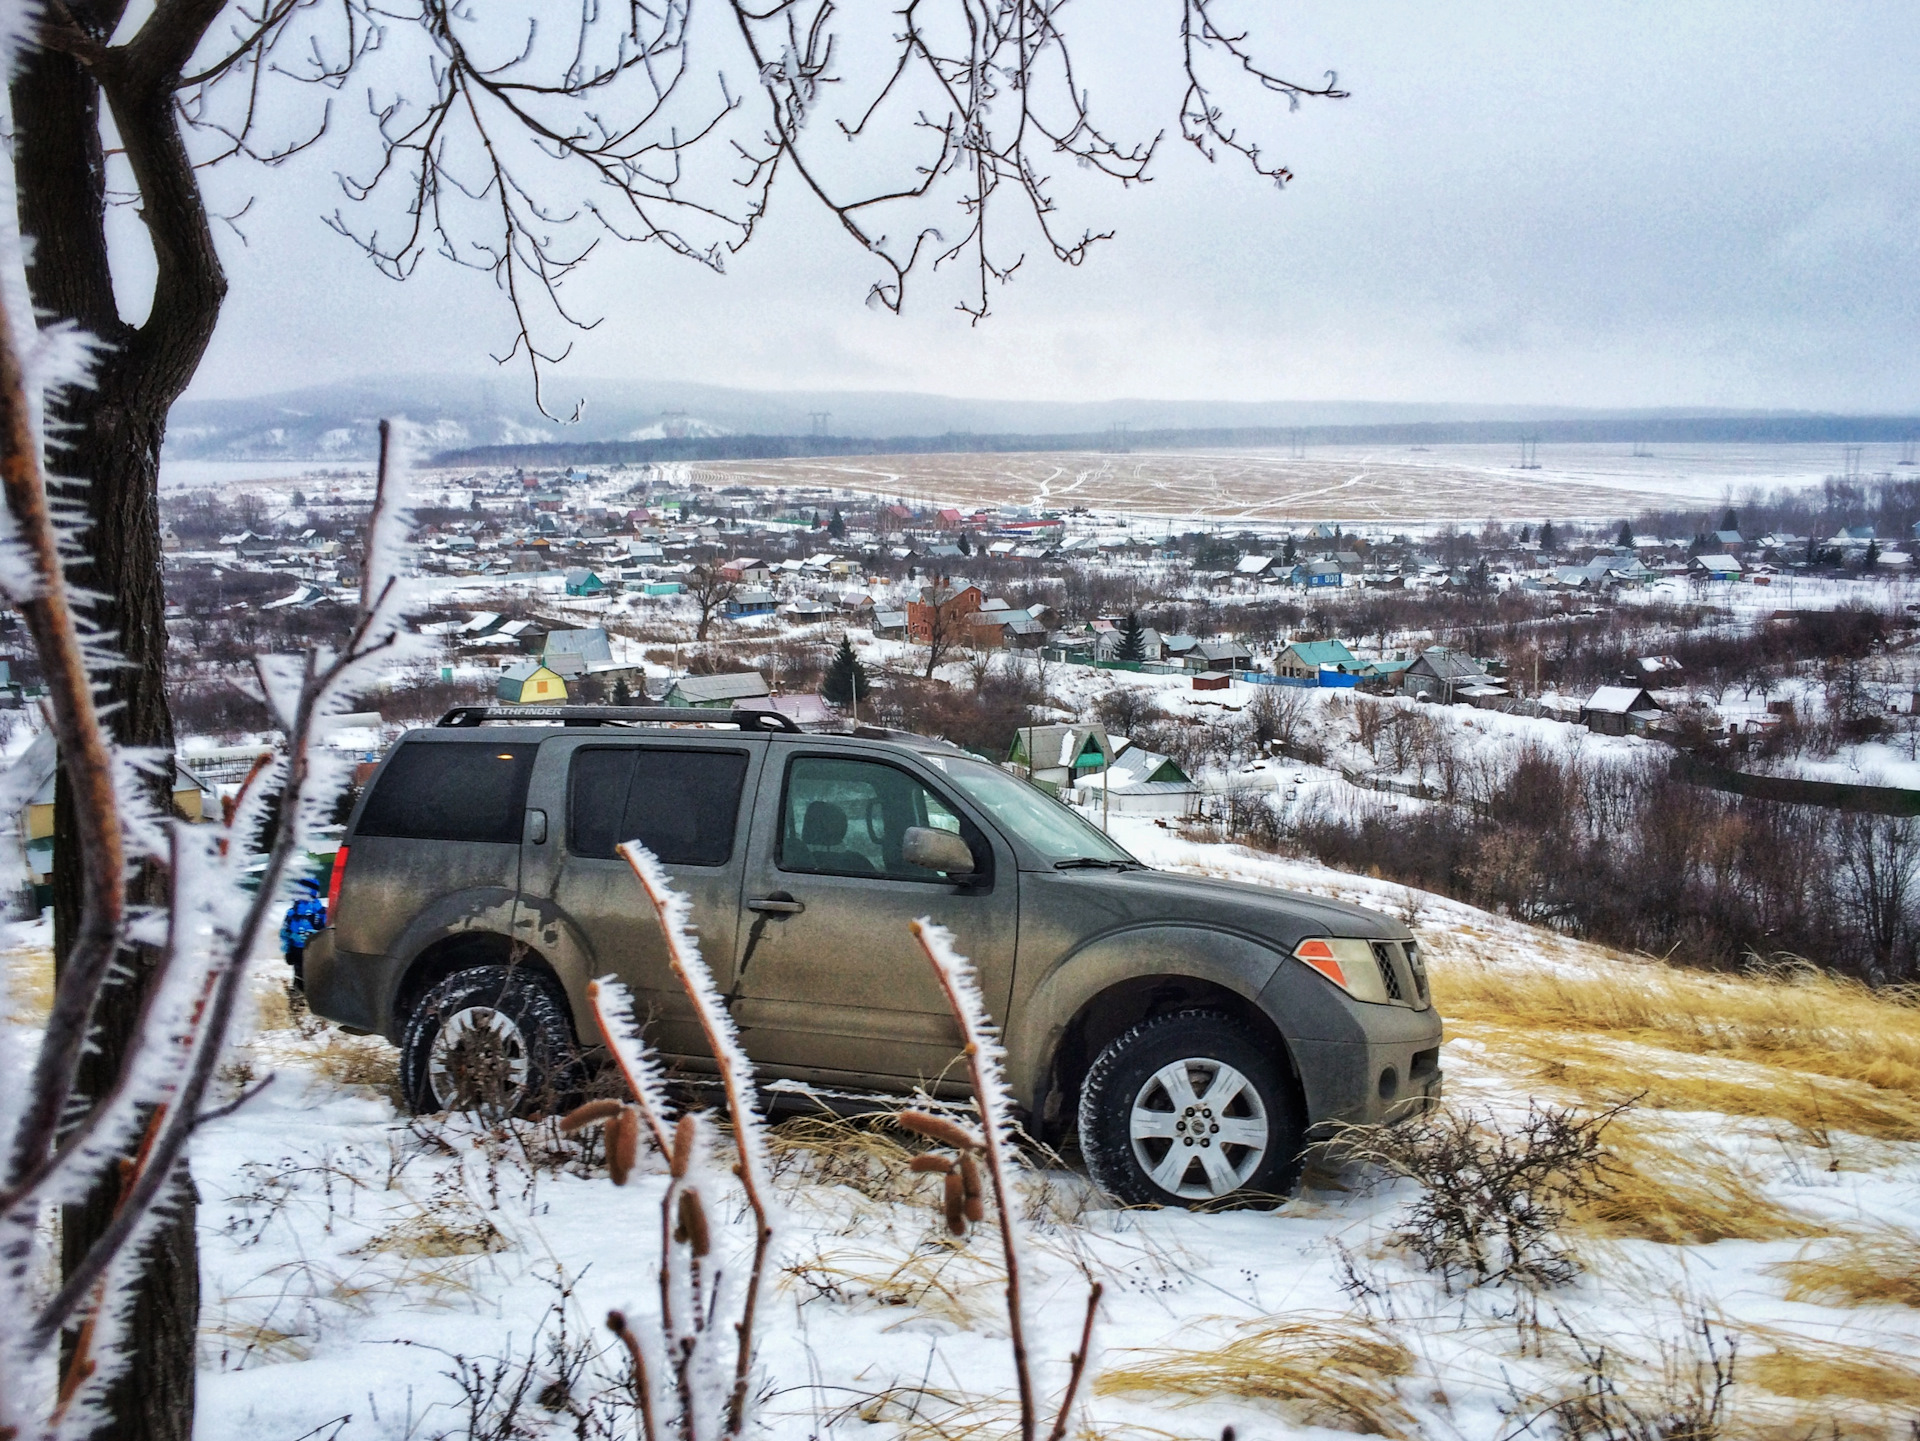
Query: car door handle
(777, 904)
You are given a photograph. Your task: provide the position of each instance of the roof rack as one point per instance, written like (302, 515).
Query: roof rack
(464, 716)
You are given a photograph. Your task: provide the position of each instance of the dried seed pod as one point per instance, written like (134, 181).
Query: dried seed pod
(955, 1205)
(939, 1128)
(975, 1207)
(682, 1156)
(927, 1161)
(580, 1117)
(617, 1322)
(693, 1224)
(623, 1144)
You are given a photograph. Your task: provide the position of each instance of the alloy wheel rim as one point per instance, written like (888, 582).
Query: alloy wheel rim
(479, 1060)
(1198, 1128)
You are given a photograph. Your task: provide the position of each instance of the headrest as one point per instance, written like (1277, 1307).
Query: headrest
(825, 825)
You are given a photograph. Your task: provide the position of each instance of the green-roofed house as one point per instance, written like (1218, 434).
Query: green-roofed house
(1059, 755)
(1302, 660)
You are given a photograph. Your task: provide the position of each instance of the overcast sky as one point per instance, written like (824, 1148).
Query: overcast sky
(1573, 204)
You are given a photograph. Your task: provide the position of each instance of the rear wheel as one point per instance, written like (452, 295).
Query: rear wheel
(490, 1039)
(1186, 1109)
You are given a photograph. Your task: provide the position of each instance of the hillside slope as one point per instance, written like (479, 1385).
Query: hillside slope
(371, 1276)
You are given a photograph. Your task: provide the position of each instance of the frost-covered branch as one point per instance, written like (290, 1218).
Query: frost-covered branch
(736, 1077)
(677, 1372)
(986, 1069)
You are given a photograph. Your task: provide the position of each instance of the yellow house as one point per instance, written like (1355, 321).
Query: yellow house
(33, 774)
(530, 683)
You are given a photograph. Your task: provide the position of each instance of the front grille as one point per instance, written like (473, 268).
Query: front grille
(1418, 966)
(1389, 974)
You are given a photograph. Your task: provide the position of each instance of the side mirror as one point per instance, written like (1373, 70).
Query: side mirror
(937, 851)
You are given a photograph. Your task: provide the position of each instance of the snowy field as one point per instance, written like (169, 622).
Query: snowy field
(1356, 486)
(374, 1278)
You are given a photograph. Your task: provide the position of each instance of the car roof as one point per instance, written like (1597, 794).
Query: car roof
(496, 722)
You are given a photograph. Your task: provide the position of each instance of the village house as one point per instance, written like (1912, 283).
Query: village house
(1440, 674)
(1057, 756)
(715, 692)
(1302, 659)
(750, 602)
(1617, 710)
(528, 682)
(1139, 783)
(950, 605)
(572, 653)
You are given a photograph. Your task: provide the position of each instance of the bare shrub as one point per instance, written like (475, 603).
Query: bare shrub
(1689, 1405)
(1493, 1196)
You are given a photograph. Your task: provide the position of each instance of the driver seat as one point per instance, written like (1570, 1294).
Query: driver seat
(823, 833)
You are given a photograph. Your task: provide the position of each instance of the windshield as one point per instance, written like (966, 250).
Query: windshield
(1030, 813)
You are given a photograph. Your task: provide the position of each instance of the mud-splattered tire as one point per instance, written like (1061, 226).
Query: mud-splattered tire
(1189, 1109)
(493, 1039)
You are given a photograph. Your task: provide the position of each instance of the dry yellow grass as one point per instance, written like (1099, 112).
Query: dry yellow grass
(438, 1232)
(867, 1155)
(29, 984)
(1870, 1268)
(950, 1282)
(355, 1060)
(1336, 1372)
(1663, 1187)
(1805, 1370)
(1821, 1052)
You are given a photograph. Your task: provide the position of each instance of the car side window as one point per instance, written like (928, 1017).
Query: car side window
(850, 818)
(683, 805)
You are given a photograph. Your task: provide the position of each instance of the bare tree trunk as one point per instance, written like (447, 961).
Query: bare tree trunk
(109, 438)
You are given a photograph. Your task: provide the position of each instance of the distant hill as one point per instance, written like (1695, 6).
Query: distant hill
(476, 421)
(336, 422)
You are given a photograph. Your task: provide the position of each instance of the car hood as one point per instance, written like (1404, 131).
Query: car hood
(1262, 910)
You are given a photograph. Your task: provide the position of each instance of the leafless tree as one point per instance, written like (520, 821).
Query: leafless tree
(517, 144)
(710, 591)
(947, 630)
(148, 1102)
(1277, 715)
(1126, 708)
(1878, 856)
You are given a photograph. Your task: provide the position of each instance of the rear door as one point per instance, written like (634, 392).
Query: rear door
(831, 985)
(685, 800)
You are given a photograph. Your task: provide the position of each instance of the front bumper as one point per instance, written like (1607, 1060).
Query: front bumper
(1359, 1064)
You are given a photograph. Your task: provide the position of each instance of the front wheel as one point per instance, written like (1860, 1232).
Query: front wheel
(491, 1039)
(1188, 1108)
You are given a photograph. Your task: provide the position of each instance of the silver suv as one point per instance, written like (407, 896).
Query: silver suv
(1195, 1032)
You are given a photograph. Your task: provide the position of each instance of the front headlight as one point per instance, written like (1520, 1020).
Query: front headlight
(1349, 964)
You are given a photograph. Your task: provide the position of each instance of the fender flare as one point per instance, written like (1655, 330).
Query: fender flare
(487, 912)
(1229, 959)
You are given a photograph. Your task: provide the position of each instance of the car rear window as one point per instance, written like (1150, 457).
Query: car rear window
(683, 805)
(460, 792)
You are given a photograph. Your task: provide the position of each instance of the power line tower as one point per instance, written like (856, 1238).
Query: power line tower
(1297, 448)
(1117, 438)
(820, 420)
(1850, 461)
(1529, 452)
(1906, 452)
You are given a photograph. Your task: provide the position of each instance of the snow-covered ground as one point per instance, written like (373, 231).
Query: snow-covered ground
(358, 1263)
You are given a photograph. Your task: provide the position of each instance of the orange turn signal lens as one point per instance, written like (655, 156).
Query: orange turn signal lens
(1319, 955)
